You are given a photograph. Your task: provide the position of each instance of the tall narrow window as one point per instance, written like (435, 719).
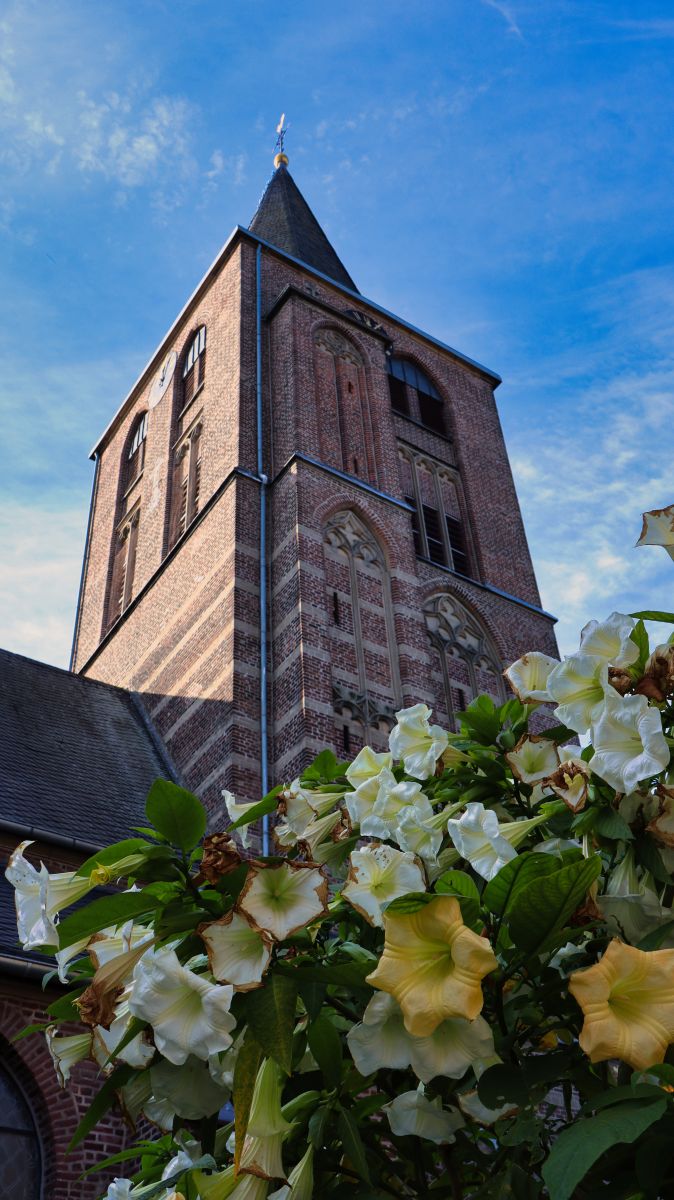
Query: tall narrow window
(136, 455)
(457, 544)
(20, 1157)
(194, 367)
(411, 390)
(436, 547)
(186, 485)
(416, 528)
(124, 566)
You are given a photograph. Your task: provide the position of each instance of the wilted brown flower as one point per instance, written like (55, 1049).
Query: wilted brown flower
(658, 678)
(220, 857)
(96, 1005)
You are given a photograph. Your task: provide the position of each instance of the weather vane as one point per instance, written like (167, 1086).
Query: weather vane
(281, 131)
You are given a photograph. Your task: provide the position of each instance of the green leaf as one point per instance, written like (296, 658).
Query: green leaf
(502, 1084)
(112, 854)
(107, 911)
(640, 638)
(64, 1008)
(29, 1029)
(353, 1146)
(270, 1012)
(650, 615)
(558, 733)
(264, 806)
(323, 769)
(317, 1124)
(459, 884)
(326, 1046)
(347, 975)
(102, 1102)
(500, 892)
(543, 907)
(312, 996)
(176, 813)
(654, 939)
(648, 856)
(409, 903)
(578, 1147)
(610, 824)
(245, 1073)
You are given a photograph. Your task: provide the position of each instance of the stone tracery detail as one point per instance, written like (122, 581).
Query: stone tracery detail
(465, 660)
(365, 673)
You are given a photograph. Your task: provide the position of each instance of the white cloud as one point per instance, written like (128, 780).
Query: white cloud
(41, 554)
(506, 12)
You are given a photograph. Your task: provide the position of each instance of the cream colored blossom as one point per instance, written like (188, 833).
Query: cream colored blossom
(433, 965)
(484, 842)
(610, 639)
(138, 1053)
(579, 686)
(237, 953)
(267, 1127)
(67, 1051)
(533, 759)
(628, 1002)
(367, 765)
(300, 1185)
(188, 1014)
(236, 811)
(413, 1113)
(392, 800)
(281, 900)
(630, 904)
(39, 897)
(418, 743)
(628, 743)
(377, 875)
(658, 529)
(528, 677)
(381, 1040)
(421, 832)
(365, 775)
(188, 1091)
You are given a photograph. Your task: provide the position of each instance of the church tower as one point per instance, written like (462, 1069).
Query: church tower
(303, 518)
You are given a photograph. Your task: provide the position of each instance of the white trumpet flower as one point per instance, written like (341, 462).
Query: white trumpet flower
(658, 529)
(39, 897)
(281, 900)
(422, 832)
(378, 874)
(299, 808)
(188, 1091)
(367, 765)
(533, 759)
(628, 743)
(236, 810)
(267, 1126)
(110, 943)
(237, 953)
(67, 1051)
(300, 1185)
(528, 677)
(610, 640)
(486, 844)
(138, 1053)
(630, 904)
(188, 1014)
(413, 1113)
(417, 742)
(579, 685)
(381, 1040)
(392, 800)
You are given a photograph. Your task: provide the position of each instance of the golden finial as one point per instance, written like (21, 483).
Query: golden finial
(281, 131)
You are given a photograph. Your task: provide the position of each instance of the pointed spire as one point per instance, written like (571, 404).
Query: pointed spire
(284, 219)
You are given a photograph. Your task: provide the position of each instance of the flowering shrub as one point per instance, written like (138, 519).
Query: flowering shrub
(455, 978)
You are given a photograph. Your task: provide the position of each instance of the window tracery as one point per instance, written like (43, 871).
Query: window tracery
(465, 662)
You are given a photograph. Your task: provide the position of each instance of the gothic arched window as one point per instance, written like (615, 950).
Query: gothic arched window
(413, 394)
(465, 662)
(433, 492)
(135, 457)
(186, 480)
(194, 366)
(365, 674)
(346, 435)
(123, 565)
(20, 1150)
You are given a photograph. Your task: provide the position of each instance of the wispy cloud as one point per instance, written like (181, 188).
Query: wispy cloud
(505, 10)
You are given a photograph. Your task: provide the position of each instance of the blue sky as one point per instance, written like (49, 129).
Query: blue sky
(499, 173)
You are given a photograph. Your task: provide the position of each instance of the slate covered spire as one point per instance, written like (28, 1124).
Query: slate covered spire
(284, 219)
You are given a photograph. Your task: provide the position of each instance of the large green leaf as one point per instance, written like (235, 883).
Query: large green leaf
(540, 909)
(270, 1012)
(352, 1143)
(112, 854)
(245, 1073)
(326, 1046)
(579, 1146)
(500, 892)
(176, 813)
(460, 885)
(650, 615)
(108, 910)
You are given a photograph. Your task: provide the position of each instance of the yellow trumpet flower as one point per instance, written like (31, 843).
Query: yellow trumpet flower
(433, 965)
(628, 1002)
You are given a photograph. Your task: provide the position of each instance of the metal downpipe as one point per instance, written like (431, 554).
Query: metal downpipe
(264, 735)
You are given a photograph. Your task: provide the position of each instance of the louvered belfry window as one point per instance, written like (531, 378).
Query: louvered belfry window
(414, 395)
(194, 367)
(186, 484)
(123, 566)
(136, 455)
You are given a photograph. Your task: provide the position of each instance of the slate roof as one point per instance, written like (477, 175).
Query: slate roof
(284, 219)
(77, 757)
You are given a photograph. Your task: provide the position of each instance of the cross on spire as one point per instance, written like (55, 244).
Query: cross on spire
(281, 157)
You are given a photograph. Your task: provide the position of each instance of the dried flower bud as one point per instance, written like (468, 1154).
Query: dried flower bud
(621, 680)
(658, 679)
(220, 857)
(96, 1005)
